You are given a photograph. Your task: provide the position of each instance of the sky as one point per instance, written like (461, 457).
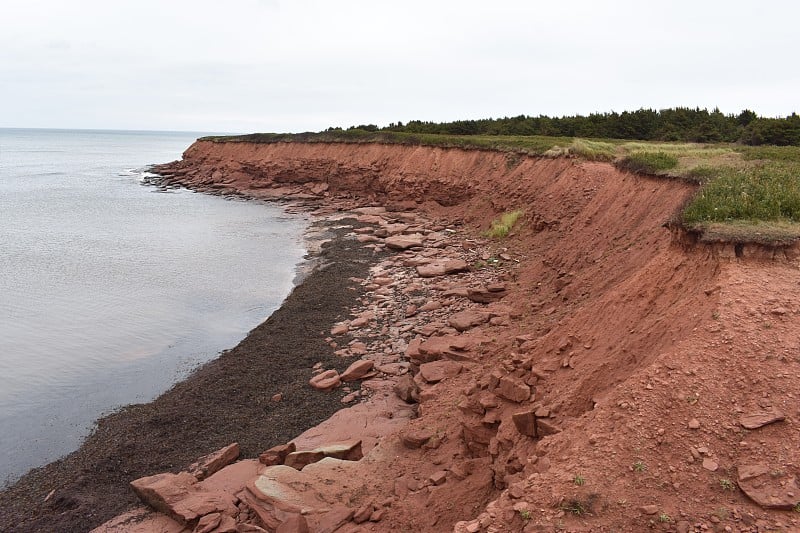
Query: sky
(304, 65)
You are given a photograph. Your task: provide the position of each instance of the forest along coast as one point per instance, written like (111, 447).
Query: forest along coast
(530, 344)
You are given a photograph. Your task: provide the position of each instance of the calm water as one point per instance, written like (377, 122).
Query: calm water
(110, 291)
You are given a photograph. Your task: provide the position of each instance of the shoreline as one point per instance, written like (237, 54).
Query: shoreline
(227, 399)
(524, 384)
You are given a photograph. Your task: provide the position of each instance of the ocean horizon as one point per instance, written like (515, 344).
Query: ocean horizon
(111, 290)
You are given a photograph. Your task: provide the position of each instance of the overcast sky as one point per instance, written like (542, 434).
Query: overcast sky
(274, 65)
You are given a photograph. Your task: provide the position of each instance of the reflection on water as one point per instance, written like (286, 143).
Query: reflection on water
(110, 292)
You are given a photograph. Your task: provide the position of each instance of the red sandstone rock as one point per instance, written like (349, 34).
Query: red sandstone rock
(476, 433)
(448, 346)
(363, 513)
(214, 462)
(433, 305)
(276, 455)
(759, 483)
(467, 319)
(484, 296)
(437, 371)
(438, 477)
(340, 329)
(346, 451)
(296, 523)
(178, 496)
(525, 422)
(208, 523)
(415, 438)
(442, 268)
(357, 370)
(326, 380)
(302, 458)
(161, 490)
(334, 519)
(404, 242)
(285, 489)
(513, 389)
(545, 427)
(406, 389)
(760, 418)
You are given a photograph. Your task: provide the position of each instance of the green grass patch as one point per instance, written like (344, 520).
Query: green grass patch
(525, 145)
(501, 226)
(648, 162)
(768, 193)
(593, 150)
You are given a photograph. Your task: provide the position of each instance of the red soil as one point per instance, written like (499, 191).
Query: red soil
(627, 330)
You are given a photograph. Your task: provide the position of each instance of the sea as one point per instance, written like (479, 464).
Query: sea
(112, 290)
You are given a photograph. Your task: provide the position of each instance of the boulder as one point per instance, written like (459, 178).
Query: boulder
(326, 380)
(476, 433)
(178, 496)
(300, 459)
(406, 389)
(525, 422)
(214, 462)
(513, 389)
(345, 451)
(276, 455)
(467, 319)
(404, 242)
(446, 346)
(340, 329)
(442, 268)
(415, 438)
(357, 370)
(162, 490)
(437, 371)
(286, 489)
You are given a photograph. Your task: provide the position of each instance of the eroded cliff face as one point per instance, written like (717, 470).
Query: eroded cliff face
(401, 175)
(608, 389)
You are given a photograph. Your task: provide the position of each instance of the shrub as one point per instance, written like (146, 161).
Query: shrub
(502, 226)
(648, 162)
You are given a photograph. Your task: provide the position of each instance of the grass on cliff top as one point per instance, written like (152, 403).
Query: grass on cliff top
(745, 193)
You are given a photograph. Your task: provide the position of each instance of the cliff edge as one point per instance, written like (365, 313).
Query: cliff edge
(622, 377)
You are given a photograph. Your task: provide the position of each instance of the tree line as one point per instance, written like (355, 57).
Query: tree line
(675, 124)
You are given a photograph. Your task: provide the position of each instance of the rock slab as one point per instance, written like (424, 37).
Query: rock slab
(767, 490)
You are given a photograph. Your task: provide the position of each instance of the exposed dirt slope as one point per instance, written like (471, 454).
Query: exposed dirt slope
(644, 351)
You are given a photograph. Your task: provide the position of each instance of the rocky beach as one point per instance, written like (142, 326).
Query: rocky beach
(594, 370)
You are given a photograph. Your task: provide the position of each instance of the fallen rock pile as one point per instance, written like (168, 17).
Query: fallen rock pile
(414, 328)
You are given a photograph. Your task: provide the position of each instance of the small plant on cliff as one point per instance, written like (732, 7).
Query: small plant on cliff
(639, 466)
(525, 514)
(576, 507)
(727, 484)
(579, 480)
(664, 517)
(502, 226)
